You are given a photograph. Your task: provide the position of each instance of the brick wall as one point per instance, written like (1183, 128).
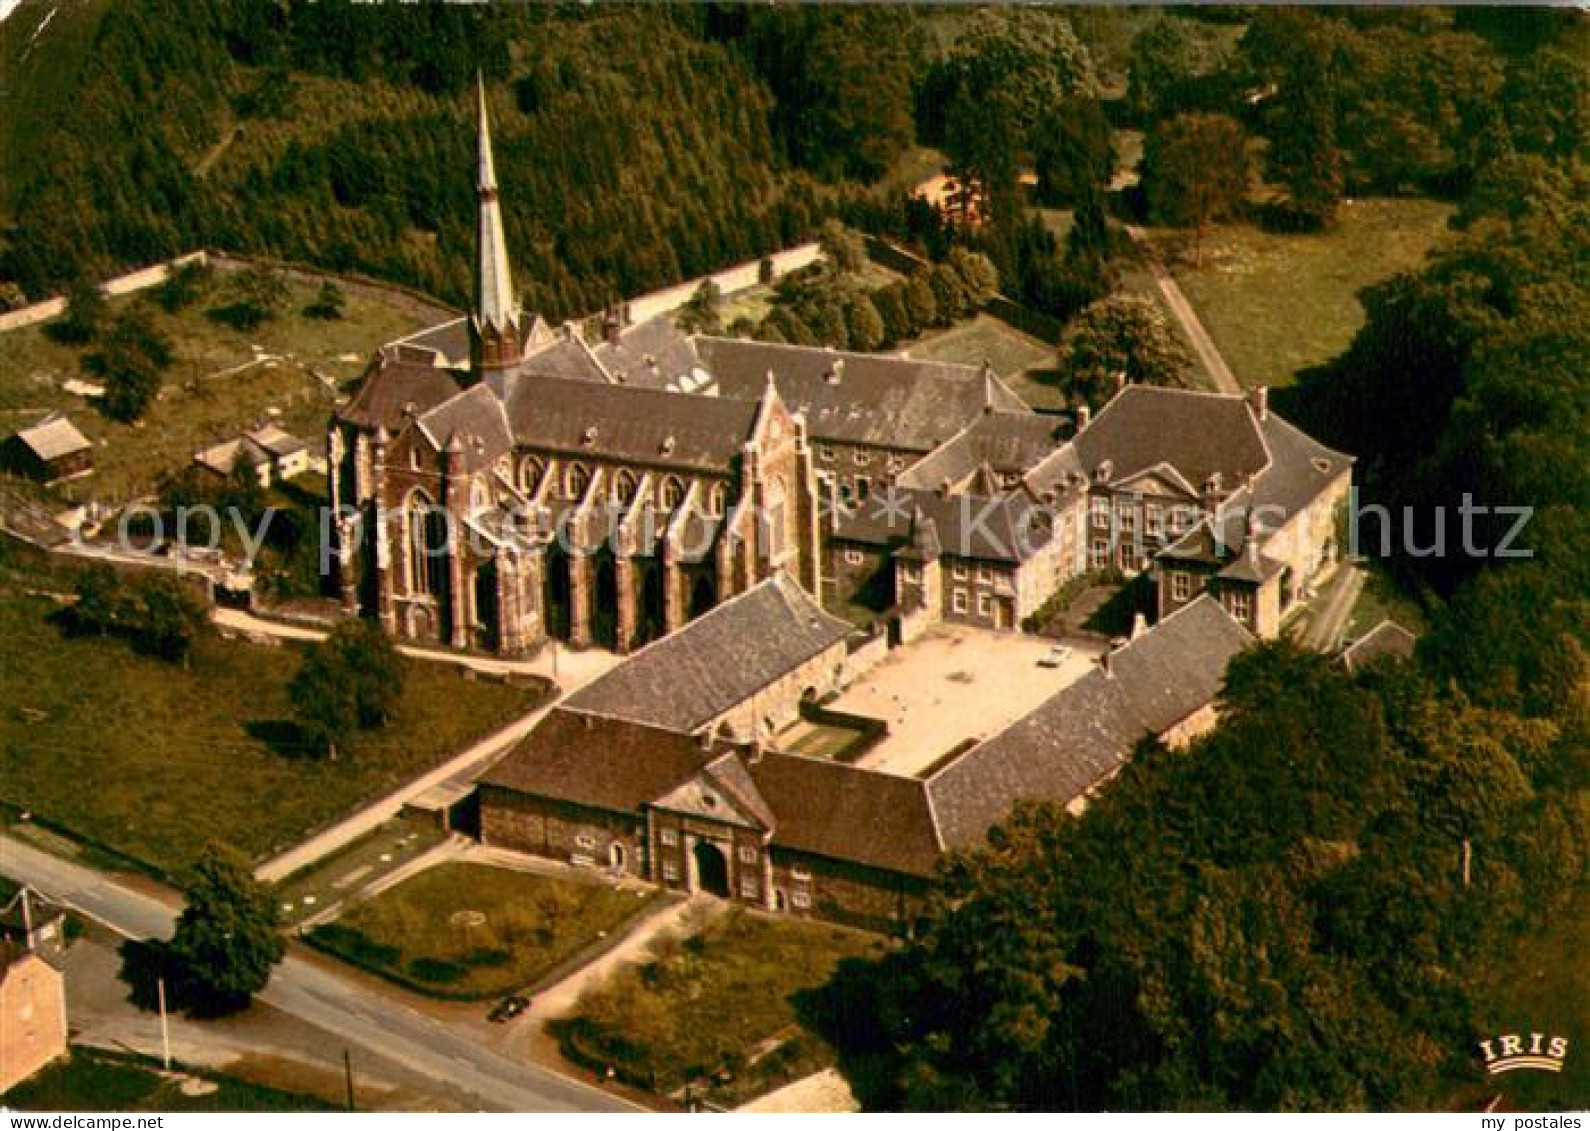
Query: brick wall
(574, 834)
(32, 1019)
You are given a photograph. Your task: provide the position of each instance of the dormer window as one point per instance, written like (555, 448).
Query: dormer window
(590, 436)
(673, 493)
(575, 480)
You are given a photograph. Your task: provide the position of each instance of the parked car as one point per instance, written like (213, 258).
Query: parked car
(508, 1008)
(1055, 656)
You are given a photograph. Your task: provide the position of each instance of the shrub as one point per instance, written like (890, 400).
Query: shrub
(441, 971)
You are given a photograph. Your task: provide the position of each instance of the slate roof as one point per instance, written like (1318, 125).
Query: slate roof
(1005, 528)
(644, 426)
(605, 763)
(846, 813)
(394, 386)
(475, 418)
(1008, 442)
(1073, 741)
(716, 662)
(889, 402)
(653, 355)
(53, 438)
(1388, 638)
(1196, 433)
(1081, 736)
(1300, 467)
(568, 358)
(1178, 665)
(449, 339)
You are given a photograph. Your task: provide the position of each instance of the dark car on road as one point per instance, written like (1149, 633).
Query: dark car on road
(508, 1008)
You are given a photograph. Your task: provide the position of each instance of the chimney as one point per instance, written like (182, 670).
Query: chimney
(1259, 402)
(1120, 379)
(836, 372)
(1212, 491)
(612, 327)
(1084, 416)
(1139, 625)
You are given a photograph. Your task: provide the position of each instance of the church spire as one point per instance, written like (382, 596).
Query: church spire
(494, 320)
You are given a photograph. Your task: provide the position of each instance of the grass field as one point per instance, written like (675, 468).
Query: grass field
(1276, 304)
(1017, 357)
(154, 760)
(714, 1005)
(218, 382)
(475, 931)
(819, 740)
(94, 1080)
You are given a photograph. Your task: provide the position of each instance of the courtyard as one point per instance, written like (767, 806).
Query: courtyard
(957, 683)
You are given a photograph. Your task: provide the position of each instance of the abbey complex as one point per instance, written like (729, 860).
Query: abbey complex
(709, 504)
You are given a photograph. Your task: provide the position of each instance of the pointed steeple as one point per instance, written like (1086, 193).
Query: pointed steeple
(494, 319)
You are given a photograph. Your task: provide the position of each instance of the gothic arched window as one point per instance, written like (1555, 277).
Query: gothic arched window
(718, 501)
(530, 473)
(673, 493)
(624, 486)
(575, 480)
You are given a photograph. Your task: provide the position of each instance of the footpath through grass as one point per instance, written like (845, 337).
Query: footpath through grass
(154, 760)
(473, 931)
(96, 1080)
(1276, 304)
(714, 1010)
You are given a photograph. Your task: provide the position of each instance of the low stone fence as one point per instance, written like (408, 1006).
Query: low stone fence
(736, 278)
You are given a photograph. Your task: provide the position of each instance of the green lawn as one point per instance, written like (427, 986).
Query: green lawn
(1017, 357)
(154, 760)
(95, 1080)
(714, 1005)
(204, 397)
(1276, 304)
(475, 931)
(819, 740)
(1381, 599)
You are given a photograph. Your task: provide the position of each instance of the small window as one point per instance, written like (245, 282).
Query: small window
(669, 837)
(585, 840)
(718, 501)
(414, 459)
(958, 600)
(984, 574)
(959, 571)
(800, 899)
(1155, 518)
(624, 486)
(896, 463)
(1101, 553)
(1128, 519)
(985, 605)
(826, 451)
(670, 870)
(863, 487)
(911, 574)
(862, 457)
(575, 480)
(800, 872)
(748, 854)
(1180, 585)
(749, 888)
(1241, 604)
(1100, 510)
(854, 557)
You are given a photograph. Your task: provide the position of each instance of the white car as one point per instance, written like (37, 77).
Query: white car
(1055, 656)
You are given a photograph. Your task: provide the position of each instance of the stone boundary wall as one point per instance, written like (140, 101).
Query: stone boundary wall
(731, 279)
(423, 304)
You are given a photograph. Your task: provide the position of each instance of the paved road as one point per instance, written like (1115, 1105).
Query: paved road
(1331, 612)
(1225, 381)
(324, 998)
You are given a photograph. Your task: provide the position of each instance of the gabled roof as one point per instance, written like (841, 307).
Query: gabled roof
(568, 358)
(716, 662)
(1196, 433)
(621, 422)
(53, 438)
(890, 402)
(605, 763)
(1388, 638)
(1176, 667)
(473, 420)
(447, 341)
(653, 355)
(996, 528)
(395, 387)
(847, 813)
(1007, 442)
(1078, 738)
